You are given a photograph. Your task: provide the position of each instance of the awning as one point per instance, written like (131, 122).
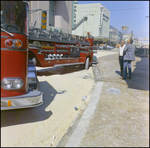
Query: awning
(104, 39)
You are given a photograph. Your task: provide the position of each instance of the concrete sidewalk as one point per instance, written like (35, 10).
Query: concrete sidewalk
(118, 112)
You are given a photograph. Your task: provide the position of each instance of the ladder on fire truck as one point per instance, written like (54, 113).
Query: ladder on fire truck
(53, 34)
(56, 47)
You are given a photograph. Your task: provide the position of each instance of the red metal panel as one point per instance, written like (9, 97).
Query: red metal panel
(60, 49)
(49, 63)
(40, 57)
(14, 63)
(23, 38)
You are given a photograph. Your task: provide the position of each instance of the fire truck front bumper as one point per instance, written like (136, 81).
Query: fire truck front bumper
(30, 99)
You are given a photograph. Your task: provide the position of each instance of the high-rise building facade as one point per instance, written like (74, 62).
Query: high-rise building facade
(59, 14)
(115, 36)
(74, 12)
(93, 18)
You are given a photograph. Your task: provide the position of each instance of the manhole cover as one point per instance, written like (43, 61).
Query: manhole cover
(113, 90)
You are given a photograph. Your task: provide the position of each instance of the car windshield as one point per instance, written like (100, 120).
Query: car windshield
(14, 16)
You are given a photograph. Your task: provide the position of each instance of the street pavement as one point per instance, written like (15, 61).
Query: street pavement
(117, 114)
(44, 126)
(111, 111)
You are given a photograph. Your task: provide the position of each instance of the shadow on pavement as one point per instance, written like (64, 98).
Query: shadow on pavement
(30, 115)
(118, 72)
(59, 70)
(140, 75)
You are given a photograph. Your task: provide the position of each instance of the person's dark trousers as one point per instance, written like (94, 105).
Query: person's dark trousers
(121, 64)
(125, 64)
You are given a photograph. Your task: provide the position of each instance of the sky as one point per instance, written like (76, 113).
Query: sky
(135, 17)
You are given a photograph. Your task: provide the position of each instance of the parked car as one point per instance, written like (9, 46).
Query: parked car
(103, 47)
(109, 47)
(100, 48)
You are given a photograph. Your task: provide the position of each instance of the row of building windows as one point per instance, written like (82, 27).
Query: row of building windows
(51, 13)
(105, 16)
(75, 11)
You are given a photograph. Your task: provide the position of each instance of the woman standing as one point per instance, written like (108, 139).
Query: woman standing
(129, 55)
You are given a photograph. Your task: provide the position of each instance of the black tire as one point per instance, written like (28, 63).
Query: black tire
(87, 63)
(94, 58)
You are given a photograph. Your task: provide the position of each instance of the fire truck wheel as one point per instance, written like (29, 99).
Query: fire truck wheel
(37, 44)
(34, 60)
(87, 63)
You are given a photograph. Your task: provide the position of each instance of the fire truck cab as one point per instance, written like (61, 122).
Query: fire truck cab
(19, 83)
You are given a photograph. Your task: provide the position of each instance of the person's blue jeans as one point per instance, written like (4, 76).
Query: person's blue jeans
(125, 64)
(121, 62)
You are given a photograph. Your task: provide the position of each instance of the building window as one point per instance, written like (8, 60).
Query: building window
(51, 13)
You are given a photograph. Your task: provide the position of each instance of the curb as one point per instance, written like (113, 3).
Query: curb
(97, 73)
(97, 77)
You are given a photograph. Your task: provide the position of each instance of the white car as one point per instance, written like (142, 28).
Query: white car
(103, 47)
(109, 47)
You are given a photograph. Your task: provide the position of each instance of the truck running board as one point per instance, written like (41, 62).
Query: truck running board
(68, 64)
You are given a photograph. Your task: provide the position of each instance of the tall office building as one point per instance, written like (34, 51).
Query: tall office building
(93, 18)
(59, 14)
(115, 36)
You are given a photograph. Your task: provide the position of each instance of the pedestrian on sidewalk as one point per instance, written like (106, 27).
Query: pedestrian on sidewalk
(129, 55)
(120, 58)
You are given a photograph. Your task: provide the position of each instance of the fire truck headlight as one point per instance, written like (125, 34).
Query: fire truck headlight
(12, 43)
(6, 84)
(18, 83)
(11, 83)
(18, 43)
(9, 43)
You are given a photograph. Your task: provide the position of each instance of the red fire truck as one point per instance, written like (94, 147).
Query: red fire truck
(19, 84)
(55, 48)
(23, 47)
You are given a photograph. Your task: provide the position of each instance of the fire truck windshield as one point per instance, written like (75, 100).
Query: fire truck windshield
(14, 16)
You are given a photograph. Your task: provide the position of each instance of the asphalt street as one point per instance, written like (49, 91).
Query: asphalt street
(117, 114)
(110, 111)
(43, 126)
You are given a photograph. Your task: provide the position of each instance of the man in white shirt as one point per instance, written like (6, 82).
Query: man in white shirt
(121, 48)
